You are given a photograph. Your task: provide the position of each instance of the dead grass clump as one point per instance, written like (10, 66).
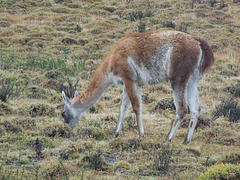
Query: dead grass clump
(147, 99)
(5, 109)
(37, 109)
(95, 161)
(234, 89)
(129, 145)
(166, 103)
(61, 10)
(221, 135)
(69, 41)
(95, 132)
(10, 126)
(202, 123)
(54, 74)
(36, 92)
(96, 109)
(55, 170)
(5, 24)
(69, 89)
(56, 130)
(168, 24)
(67, 152)
(232, 158)
(25, 123)
(230, 70)
(41, 110)
(6, 89)
(99, 26)
(38, 143)
(110, 9)
(160, 157)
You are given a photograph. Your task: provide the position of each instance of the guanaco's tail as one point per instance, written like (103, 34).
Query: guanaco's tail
(207, 55)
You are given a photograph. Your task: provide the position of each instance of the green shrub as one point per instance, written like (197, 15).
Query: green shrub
(222, 171)
(228, 108)
(6, 89)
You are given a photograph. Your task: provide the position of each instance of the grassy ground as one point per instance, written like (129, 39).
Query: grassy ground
(47, 46)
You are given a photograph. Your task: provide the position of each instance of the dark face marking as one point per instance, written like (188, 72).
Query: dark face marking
(67, 116)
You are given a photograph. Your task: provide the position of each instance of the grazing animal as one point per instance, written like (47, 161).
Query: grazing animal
(146, 59)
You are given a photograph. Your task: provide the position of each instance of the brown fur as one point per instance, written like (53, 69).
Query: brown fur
(141, 46)
(208, 58)
(183, 59)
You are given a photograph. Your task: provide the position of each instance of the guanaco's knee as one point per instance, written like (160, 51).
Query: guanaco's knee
(182, 111)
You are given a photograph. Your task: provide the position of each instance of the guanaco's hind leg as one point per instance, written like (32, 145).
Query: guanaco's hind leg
(134, 95)
(125, 102)
(193, 103)
(179, 97)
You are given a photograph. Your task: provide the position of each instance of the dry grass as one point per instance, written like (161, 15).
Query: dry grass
(43, 44)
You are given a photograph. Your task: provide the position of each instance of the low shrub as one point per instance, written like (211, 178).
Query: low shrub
(232, 158)
(222, 171)
(6, 89)
(162, 158)
(166, 103)
(55, 170)
(5, 109)
(37, 109)
(228, 108)
(234, 89)
(56, 130)
(68, 89)
(95, 132)
(95, 161)
(36, 92)
(10, 126)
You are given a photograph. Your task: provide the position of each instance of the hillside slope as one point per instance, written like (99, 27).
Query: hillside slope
(55, 45)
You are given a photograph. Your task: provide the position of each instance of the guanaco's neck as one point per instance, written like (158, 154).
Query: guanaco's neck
(94, 89)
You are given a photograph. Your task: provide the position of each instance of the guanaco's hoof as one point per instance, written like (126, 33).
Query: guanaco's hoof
(142, 135)
(116, 134)
(186, 141)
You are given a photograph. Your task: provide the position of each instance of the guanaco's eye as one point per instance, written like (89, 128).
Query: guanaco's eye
(63, 114)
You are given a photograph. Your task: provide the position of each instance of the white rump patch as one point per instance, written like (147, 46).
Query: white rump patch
(200, 57)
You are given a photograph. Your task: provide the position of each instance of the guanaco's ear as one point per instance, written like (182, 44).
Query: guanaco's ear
(65, 98)
(76, 93)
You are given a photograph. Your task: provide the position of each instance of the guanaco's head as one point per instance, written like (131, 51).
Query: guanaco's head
(70, 113)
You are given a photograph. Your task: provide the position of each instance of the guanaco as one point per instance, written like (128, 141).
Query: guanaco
(145, 59)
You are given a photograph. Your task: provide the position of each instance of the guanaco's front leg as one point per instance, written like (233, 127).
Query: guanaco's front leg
(125, 102)
(134, 95)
